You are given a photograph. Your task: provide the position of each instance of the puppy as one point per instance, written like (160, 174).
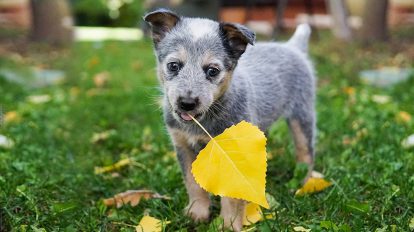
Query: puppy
(211, 71)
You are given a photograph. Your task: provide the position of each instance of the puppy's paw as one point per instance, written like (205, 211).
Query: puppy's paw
(232, 212)
(312, 174)
(232, 222)
(198, 210)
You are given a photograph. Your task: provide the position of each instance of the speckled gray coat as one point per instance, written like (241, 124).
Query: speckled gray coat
(226, 79)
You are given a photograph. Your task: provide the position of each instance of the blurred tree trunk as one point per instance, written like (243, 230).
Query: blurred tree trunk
(374, 21)
(52, 21)
(339, 15)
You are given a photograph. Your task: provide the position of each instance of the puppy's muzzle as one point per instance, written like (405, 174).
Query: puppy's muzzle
(187, 107)
(188, 104)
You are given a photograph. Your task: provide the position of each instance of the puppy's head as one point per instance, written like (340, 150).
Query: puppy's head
(196, 58)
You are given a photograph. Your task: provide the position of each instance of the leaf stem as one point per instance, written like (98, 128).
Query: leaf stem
(199, 124)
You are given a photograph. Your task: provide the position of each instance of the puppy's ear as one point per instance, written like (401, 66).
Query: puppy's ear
(235, 38)
(161, 22)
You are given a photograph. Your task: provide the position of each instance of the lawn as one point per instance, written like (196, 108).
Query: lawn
(47, 178)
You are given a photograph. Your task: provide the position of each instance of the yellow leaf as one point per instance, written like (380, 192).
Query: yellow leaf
(98, 137)
(96, 92)
(301, 229)
(133, 197)
(11, 116)
(349, 90)
(150, 224)
(403, 116)
(113, 167)
(233, 164)
(101, 79)
(313, 185)
(253, 214)
(93, 62)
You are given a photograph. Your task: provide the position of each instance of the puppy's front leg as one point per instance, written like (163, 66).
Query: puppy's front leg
(232, 211)
(199, 201)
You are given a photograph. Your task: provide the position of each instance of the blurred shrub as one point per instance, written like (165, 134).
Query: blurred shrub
(114, 13)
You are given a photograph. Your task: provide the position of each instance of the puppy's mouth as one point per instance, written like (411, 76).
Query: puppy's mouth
(185, 116)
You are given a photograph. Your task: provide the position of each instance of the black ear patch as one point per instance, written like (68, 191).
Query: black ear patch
(161, 22)
(235, 38)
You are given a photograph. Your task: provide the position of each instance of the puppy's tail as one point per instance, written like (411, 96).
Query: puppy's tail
(300, 38)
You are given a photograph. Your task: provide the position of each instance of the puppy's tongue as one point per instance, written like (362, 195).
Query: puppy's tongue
(186, 116)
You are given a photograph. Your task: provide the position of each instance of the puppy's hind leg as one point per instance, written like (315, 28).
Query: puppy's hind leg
(302, 127)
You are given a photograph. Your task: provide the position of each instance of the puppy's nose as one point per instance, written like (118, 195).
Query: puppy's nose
(187, 104)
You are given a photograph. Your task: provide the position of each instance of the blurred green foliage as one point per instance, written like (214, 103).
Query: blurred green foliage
(47, 180)
(113, 13)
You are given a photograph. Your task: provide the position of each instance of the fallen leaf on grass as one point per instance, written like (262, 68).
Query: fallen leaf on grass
(5, 142)
(116, 166)
(411, 224)
(133, 197)
(147, 146)
(150, 224)
(101, 79)
(403, 116)
(408, 142)
(98, 137)
(360, 134)
(39, 99)
(11, 116)
(301, 229)
(95, 92)
(93, 62)
(349, 90)
(229, 156)
(313, 185)
(253, 228)
(253, 214)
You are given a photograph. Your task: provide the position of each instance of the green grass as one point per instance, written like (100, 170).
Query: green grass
(47, 180)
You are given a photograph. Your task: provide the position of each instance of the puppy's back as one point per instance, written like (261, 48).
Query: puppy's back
(278, 76)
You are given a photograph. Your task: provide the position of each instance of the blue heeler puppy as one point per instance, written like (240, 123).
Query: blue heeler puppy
(211, 71)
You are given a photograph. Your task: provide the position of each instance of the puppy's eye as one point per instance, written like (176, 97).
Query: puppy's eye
(174, 66)
(212, 72)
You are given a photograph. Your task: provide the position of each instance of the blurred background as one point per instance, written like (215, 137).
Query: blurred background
(78, 90)
(64, 21)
